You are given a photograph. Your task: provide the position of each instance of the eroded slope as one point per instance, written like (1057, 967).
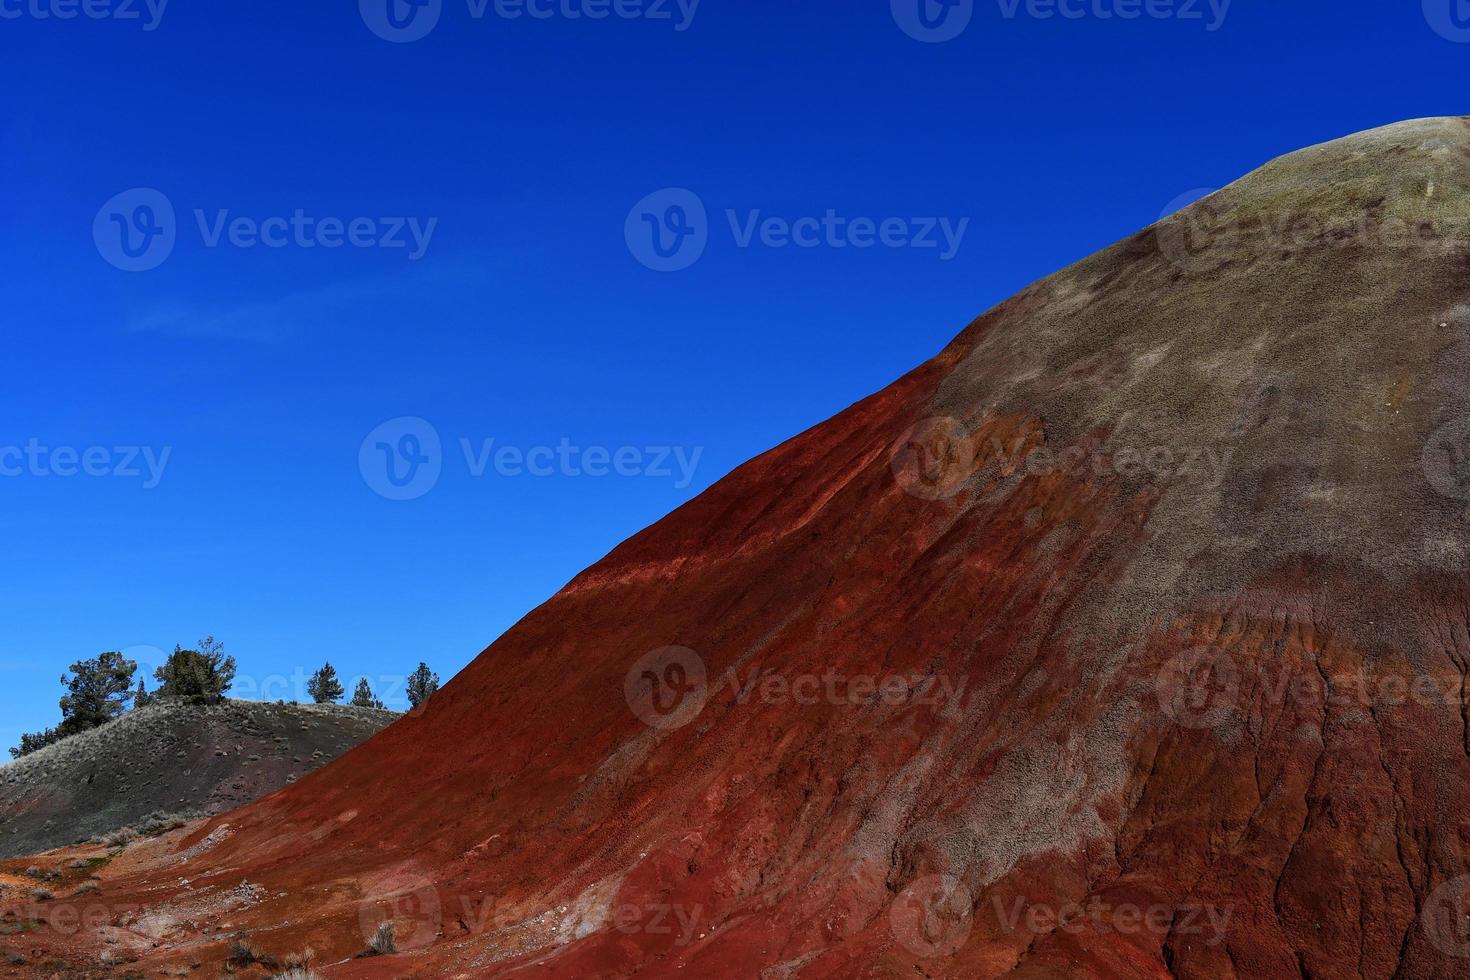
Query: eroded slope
(1126, 638)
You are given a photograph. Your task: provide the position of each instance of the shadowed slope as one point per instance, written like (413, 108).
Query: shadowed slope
(1126, 638)
(170, 758)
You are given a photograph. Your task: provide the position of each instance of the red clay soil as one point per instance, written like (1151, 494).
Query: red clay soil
(1128, 637)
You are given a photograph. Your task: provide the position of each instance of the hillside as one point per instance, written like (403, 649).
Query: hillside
(170, 759)
(1126, 638)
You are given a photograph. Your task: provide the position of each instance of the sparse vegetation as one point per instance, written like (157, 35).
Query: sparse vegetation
(300, 962)
(156, 824)
(383, 943)
(243, 954)
(42, 876)
(294, 966)
(304, 958)
(42, 894)
(120, 838)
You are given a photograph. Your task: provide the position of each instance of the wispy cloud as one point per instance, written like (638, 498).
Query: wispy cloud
(286, 317)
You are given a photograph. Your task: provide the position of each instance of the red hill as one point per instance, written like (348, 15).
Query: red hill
(1128, 637)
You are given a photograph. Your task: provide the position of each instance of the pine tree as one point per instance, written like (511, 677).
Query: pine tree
(141, 697)
(324, 687)
(363, 696)
(422, 684)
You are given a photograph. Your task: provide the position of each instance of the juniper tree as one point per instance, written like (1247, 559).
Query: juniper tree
(200, 676)
(34, 742)
(96, 693)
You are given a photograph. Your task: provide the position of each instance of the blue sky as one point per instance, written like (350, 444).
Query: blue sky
(200, 446)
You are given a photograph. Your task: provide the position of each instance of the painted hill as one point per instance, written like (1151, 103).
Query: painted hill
(169, 759)
(1127, 638)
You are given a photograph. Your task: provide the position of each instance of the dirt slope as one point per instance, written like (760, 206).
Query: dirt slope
(1128, 637)
(169, 758)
